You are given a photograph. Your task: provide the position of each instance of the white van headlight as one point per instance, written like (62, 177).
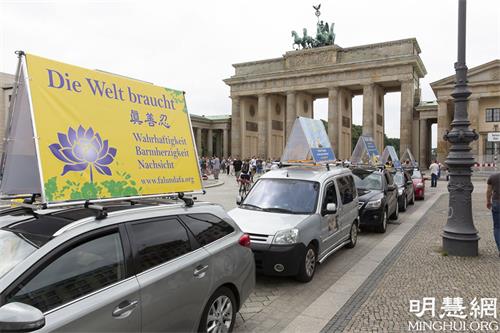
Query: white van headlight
(288, 236)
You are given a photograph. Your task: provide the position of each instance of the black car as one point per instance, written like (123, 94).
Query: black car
(406, 194)
(377, 197)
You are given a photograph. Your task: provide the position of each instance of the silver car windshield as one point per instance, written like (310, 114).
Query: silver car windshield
(13, 249)
(289, 196)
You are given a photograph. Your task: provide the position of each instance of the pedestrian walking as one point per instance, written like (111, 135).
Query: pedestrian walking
(237, 163)
(203, 164)
(434, 169)
(493, 203)
(216, 167)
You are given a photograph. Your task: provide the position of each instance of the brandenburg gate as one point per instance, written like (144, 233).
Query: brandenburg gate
(267, 95)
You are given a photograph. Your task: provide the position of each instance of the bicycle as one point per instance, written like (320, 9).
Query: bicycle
(245, 181)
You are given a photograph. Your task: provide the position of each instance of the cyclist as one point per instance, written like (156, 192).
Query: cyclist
(245, 178)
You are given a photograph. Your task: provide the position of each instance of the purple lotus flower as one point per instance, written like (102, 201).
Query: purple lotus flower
(81, 149)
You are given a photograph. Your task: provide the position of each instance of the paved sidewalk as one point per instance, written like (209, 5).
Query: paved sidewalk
(419, 268)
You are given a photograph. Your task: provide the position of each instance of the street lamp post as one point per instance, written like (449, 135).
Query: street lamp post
(459, 234)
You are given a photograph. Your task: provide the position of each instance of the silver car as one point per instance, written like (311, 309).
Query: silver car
(123, 268)
(298, 216)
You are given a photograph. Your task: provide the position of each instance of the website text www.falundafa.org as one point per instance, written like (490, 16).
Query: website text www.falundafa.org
(167, 180)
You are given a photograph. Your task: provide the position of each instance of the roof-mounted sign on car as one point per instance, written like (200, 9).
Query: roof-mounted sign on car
(389, 155)
(308, 144)
(408, 159)
(77, 137)
(365, 153)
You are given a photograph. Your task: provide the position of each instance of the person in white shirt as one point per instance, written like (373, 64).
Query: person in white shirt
(434, 169)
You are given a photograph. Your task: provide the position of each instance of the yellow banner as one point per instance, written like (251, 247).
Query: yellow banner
(106, 136)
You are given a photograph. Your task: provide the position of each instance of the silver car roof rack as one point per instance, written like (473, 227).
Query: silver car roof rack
(31, 204)
(306, 164)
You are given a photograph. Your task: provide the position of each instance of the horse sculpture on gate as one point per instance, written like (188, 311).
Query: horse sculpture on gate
(324, 35)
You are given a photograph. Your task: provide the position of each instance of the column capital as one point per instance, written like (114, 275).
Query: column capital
(263, 95)
(406, 80)
(235, 97)
(333, 91)
(291, 92)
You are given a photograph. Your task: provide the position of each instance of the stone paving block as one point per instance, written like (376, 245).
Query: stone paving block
(420, 270)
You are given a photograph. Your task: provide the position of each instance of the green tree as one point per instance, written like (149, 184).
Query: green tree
(356, 131)
(392, 142)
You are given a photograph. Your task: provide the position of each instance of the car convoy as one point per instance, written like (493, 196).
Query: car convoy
(185, 267)
(100, 248)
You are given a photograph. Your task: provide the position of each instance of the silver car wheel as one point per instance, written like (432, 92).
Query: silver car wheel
(354, 233)
(220, 315)
(310, 262)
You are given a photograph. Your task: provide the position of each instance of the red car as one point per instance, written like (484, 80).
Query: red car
(418, 183)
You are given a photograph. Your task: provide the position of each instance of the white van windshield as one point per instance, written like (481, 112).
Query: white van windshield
(13, 249)
(289, 196)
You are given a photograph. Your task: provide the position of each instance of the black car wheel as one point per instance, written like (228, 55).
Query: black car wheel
(382, 227)
(403, 207)
(395, 215)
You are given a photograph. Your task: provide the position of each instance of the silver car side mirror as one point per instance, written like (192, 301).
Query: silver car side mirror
(331, 208)
(20, 317)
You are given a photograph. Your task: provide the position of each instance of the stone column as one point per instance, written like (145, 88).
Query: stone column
(443, 125)
(235, 127)
(225, 139)
(334, 125)
(473, 110)
(378, 129)
(262, 123)
(424, 129)
(198, 141)
(269, 124)
(243, 130)
(428, 156)
(210, 142)
(345, 107)
(291, 112)
(368, 110)
(218, 143)
(407, 99)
